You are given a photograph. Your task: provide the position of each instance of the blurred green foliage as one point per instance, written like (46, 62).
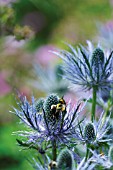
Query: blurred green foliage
(53, 21)
(73, 20)
(49, 11)
(10, 156)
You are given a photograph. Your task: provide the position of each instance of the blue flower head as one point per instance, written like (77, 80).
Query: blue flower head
(88, 67)
(96, 132)
(57, 120)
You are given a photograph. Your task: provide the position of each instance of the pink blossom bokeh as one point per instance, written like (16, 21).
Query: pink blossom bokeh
(43, 55)
(4, 86)
(6, 2)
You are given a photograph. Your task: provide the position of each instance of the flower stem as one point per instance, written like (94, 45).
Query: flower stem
(54, 150)
(106, 112)
(93, 104)
(87, 153)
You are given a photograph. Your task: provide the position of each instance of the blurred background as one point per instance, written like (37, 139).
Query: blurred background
(29, 29)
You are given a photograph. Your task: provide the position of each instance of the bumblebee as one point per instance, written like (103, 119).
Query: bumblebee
(102, 154)
(60, 107)
(52, 165)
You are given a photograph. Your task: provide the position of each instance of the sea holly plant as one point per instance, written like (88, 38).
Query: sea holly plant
(63, 137)
(90, 68)
(52, 121)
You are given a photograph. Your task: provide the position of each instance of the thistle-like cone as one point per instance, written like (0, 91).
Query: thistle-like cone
(89, 133)
(97, 61)
(39, 105)
(110, 154)
(49, 106)
(65, 160)
(97, 57)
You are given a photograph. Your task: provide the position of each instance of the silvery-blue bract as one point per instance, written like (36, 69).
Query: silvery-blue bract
(41, 129)
(88, 67)
(96, 132)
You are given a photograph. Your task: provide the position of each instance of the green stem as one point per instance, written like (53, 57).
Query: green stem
(87, 153)
(93, 104)
(54, 150)
(106, 113)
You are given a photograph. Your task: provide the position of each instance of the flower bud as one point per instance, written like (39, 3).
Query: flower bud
(49, 106)
(39, 104)
(89, 133)
(65, 160)
(97, 57)
(24, 32)
(97, 61)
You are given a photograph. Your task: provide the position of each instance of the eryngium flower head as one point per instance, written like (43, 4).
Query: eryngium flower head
(96, 132)
(89, 132)
(97, 61)
(61, 129)
(88, 67)
(65, 160)
(39, 104)
(50, 106)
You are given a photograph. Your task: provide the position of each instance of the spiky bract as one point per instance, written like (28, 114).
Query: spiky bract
(88, 67)
(95, 132)
(62, 130)
(110, 154)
